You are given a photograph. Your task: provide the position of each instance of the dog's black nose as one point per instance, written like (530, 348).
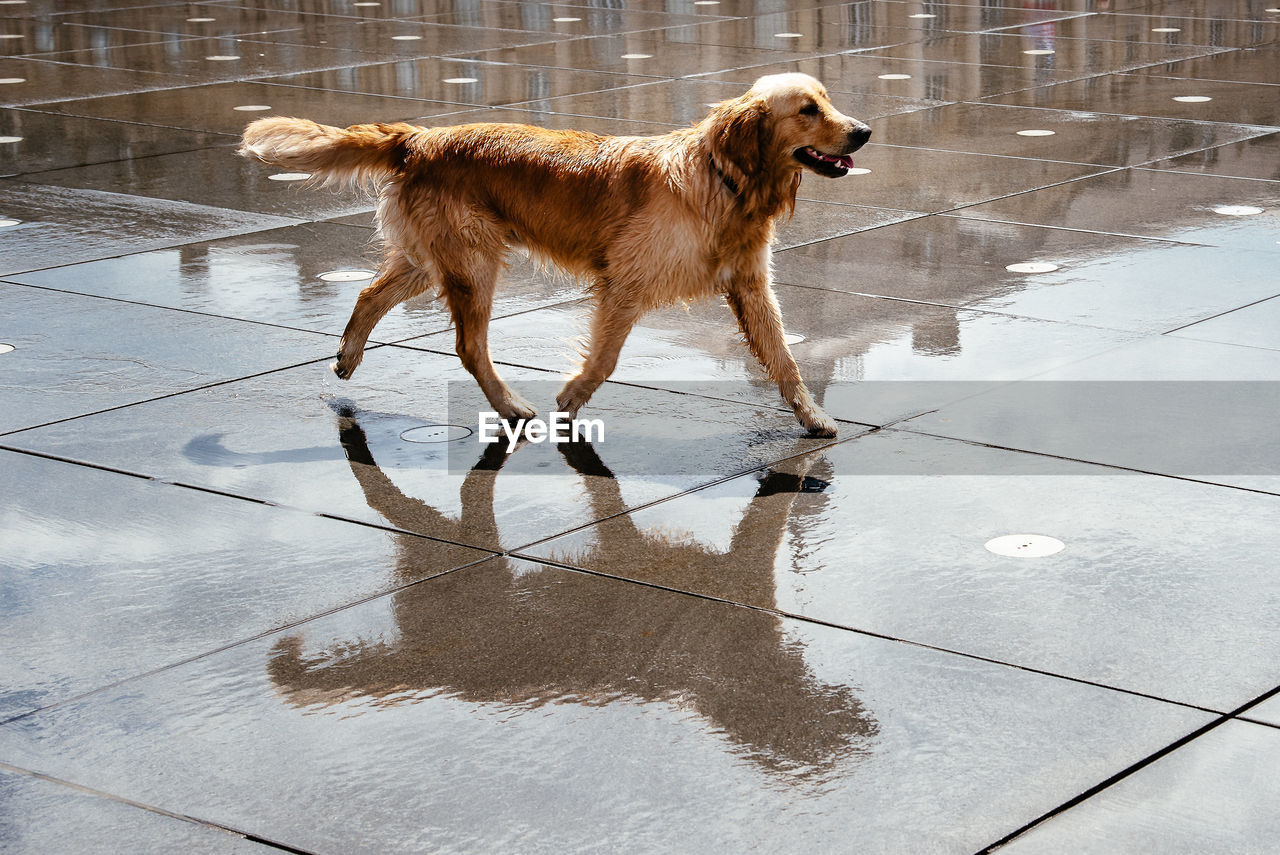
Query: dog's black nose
(858, 137)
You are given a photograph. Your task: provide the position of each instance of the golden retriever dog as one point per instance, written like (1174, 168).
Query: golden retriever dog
(647, 221)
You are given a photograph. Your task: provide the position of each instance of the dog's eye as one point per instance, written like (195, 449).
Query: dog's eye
(809, 110)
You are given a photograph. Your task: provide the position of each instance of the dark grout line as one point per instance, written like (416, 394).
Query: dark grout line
(201, 388)
(1129, 770)
(782, 613)
(204, 823)
(1116, 466)
(1221, 314)
(6, 280)
(266, 633)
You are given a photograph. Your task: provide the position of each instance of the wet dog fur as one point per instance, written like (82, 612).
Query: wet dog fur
(647, 221)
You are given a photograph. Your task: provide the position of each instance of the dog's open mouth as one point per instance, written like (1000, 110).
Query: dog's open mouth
(830, 165)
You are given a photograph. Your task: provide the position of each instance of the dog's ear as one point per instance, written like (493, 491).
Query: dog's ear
(739, 136)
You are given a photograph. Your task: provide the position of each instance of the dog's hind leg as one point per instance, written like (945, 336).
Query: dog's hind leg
(397, 281)
(610, 325)
(758, 316)
(470, 298)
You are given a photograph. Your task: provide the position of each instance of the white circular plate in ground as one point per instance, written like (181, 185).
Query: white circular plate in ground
(289, 176)
(1039, 52)
(221, 58)
(792, 338)
(200, 20)
(637, 56)
(10, 139)
(461, 80)
(1192, 99)
(895, 76)
(436, 433)
(922, 15)
(347, 275)
(1237, 210)
(1025, 545)
(565, 20)
(858, 170)
(252, 108)
(13, 80)
(788, 35)
(1036, 132)
(1032, 267)
(5, 224)
(6, 348)
(1166, 29)
(406, 38)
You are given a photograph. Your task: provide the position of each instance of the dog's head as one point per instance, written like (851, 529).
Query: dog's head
(782, 126)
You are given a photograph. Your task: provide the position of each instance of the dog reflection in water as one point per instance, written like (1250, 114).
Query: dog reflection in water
(487, 635)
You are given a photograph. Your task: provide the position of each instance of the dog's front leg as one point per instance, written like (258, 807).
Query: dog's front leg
(753, 303)
(610, 325)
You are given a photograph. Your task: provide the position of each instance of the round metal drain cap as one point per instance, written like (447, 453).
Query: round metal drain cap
(1032, 267)
(436, 433)
(347, 275)
(1237, 210)
(1025, 545)
(6, 348)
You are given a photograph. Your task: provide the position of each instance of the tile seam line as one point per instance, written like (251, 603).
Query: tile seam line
(285, 222)
(1046, 454)
(1262, 128)
(32, 108)
(213, 385)
(231, 645)
(978, 310)
(194, 820)
(782, 613)
(5, 280)
(1223, 314)
(632, 384)
(1234, 715)
(214, 491)
(514, 552)
(196, 312)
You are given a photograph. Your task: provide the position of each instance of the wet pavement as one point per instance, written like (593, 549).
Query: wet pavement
(249, 607)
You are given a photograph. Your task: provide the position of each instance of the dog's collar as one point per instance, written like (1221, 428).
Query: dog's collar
(728, 182)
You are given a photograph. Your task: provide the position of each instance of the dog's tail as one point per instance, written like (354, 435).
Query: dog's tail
(355, 155)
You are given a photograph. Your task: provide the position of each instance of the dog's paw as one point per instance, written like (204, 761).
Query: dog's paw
(517, 408)
(570, 402)
(820, 425)
(343, 371)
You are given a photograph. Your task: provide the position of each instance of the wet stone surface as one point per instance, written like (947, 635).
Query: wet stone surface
(247, 606)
